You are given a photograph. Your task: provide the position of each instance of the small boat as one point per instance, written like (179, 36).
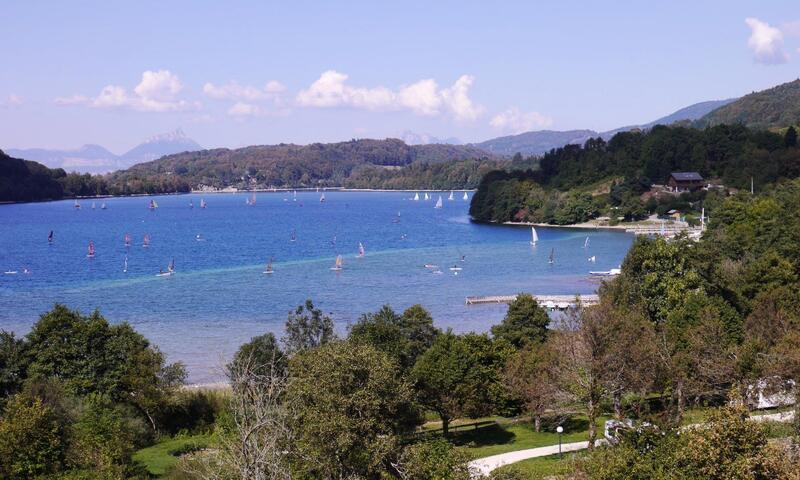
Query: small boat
(125, 265)
(10, 272)
(593, 259)
(153, 204)
(50, 237)
(77, 205)
(552, 258)
(103, 206)
(251, 200)
(586, 243)
(608, 273)
(451, 196)
(93, 206)
(439, 203)
(90, 251)
(397, 218)
(293, 238)
(127, 240)
(534, 236)
(202, 203)
(268, 270)
(338, 265)
(199, 238)
(361, 251)
(170, 270)
(455, 268)
(430, 265)
(426, 196)
(465, 197)
(322, 198)
(146, 240)
(416, 197)
(437, 272)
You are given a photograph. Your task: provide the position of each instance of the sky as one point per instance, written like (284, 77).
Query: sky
(239, 73)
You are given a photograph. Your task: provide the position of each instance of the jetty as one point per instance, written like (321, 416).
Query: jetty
(551, 302)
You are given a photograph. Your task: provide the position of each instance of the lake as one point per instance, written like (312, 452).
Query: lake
(219, 296)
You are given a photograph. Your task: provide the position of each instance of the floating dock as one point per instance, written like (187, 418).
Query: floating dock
(552, 302)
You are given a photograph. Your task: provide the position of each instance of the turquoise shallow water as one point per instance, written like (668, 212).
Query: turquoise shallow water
(219, 296)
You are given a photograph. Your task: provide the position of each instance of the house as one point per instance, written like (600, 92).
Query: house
(685, 181)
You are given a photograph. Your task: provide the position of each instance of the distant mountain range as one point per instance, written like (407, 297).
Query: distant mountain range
(97, 159)
(542, 141)
(413, 138)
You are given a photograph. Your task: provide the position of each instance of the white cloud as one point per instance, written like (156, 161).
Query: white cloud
(423, 97)
(12, 100)
(766, 42)
(234, 91)
(156, 92)
(513, 120)
(243, 110)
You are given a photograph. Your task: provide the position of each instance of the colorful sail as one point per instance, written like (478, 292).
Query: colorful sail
(146, 240)
(90, 252)
(127, 240)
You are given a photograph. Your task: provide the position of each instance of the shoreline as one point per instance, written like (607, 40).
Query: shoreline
(583, 226)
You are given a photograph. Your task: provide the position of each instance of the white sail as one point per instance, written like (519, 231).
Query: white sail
(534, 236)
(439, 203)
(361, 251)
(416, 198)
(426, 196)
(322, 197)
(451, 195)
(125, 266)
(586, 243)
(465, 197)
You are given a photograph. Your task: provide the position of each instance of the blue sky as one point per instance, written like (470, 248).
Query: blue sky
(240, 73)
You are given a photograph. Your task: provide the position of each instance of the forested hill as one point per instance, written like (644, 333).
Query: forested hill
(287, 165)
(630, 162)
(775, 107)
(28, 181)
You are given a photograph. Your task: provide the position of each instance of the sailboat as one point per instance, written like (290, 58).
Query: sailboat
(268, 270)
(103, 206)
(146, 240)
(93, 206)
(202, 203)
(191, 204)
(465, 197)
(534, 236)
(439, 203)
(153, 205)
(426, 196)
(361, 251)
(397, 218)
(416, 196)
(322, 198)
(338, 265)
(50, 237)
(294, 236)
(251, 200)
(170, 270)
(127, 240)
(294, 195)
(451, 195)
(607, 273)
(125, 265)
(586, 243)
(552, 259)
(90, 252)
(77, 205)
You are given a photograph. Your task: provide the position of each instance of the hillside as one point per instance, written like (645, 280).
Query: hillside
(690, 113)
(772, 108)
(98, 159)
(29, 181)
(287, 165)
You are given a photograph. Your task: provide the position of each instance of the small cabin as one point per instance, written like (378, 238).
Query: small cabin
(685, 181)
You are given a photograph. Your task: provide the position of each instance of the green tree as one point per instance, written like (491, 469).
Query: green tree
(461, 375)
(435, 459)
(307, 327)
(13, 364)
(527, 376)
(351, 407)
(32, 439)
(525, 321)
(262, 353)
(790, 138)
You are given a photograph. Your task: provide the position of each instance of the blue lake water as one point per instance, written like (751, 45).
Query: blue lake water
(219, 297)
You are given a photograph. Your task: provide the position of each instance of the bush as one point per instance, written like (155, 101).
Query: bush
(32, 439)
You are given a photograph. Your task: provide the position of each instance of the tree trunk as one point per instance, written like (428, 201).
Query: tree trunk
(591, 415)
(537, 423)
(445, 426)
(681, 402)
(618, 405)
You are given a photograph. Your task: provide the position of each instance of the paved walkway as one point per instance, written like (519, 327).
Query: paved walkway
(485, 465)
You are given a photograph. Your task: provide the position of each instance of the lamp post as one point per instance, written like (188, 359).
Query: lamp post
(560, 430)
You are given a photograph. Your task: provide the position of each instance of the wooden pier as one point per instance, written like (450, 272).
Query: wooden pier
(551, 302)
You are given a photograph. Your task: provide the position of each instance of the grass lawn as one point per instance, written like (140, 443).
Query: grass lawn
(509, 436)
(543, 466)
(159, 457)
